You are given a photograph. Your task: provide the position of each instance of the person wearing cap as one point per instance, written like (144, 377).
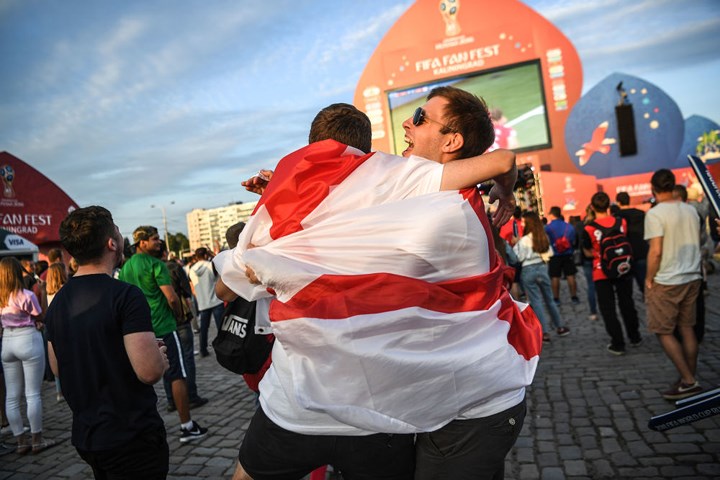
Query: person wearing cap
(146, 271)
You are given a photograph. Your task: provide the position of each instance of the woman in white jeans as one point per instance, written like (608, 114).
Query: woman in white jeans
(23, 355)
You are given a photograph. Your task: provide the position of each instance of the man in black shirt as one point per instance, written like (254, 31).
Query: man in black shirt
(635, 219)
(103, 349)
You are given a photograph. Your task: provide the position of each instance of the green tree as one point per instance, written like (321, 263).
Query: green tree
(178, 242)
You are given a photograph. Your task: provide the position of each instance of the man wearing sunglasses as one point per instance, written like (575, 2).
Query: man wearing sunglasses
(450, 126)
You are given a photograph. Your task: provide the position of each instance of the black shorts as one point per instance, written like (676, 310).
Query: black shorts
(176, 370)
(469, 449)
(145, 456)
(269, 452)
(561, 264)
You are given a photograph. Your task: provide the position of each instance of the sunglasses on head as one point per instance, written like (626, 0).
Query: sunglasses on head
(420, 116)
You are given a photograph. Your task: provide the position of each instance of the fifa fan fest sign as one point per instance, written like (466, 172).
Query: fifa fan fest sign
(612, 138)
(31, 205)
(521, 64)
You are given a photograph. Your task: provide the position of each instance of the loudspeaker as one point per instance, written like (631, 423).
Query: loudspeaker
(626, 129)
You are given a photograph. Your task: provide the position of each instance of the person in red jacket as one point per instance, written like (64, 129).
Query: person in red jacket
(610, 290)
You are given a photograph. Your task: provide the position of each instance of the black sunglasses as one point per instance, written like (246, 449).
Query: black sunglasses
(420, 116)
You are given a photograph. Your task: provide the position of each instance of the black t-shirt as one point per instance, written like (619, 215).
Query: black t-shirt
(86, 323)
(635, 220)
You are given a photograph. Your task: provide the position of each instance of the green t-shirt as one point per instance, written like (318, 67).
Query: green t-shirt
(149, 273)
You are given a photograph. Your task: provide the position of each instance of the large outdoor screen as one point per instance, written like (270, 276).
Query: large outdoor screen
(516, 90)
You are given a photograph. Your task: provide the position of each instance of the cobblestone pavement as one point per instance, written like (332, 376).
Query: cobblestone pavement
(587, 417)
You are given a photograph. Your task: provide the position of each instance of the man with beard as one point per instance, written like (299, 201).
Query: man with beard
(103, 349)
(146, 271)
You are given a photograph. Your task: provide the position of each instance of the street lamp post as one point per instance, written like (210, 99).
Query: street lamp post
(164, 217)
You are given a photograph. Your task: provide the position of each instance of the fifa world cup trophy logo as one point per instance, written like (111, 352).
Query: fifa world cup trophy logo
(449, 10)
(8, 175)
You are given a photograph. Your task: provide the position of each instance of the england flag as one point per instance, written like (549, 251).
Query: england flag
(389, 300)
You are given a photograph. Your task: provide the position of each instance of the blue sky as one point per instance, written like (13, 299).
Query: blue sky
(138, 103)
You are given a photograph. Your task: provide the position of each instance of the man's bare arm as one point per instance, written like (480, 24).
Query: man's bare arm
(52, 359)
(148, 361)
(499, 166)
(223, 292)
(468, 172)
(655, 249)
(172, 300)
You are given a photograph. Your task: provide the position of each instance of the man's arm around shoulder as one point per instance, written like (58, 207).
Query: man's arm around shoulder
(498, 165)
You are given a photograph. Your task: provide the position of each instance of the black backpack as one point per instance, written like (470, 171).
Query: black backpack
(237, 347)
(615, 250)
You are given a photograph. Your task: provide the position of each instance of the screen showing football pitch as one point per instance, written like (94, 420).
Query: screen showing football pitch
(513, 93)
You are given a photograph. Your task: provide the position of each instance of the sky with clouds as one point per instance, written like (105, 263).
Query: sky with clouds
(138, 103)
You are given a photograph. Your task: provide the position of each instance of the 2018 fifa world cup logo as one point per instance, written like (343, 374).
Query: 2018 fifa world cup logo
(8, 175)
(449, 10)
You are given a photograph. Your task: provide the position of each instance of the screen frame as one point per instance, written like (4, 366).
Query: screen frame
(450, 80)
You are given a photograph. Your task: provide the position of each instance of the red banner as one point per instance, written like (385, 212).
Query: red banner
(31, 205)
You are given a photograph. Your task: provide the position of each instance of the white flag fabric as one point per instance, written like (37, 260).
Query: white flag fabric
(391, 308)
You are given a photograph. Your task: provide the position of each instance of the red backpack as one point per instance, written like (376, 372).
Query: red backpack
(562, 244)
(615, 250)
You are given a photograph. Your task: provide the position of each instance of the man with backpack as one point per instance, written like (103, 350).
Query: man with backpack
(606, 241)
(635, 219)
(562, 238)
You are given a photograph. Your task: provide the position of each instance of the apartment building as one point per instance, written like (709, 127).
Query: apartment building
(207, 226)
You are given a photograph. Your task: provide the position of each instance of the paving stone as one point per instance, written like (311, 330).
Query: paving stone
(548, 460)
(575, 468)
(656, 461)
(675, 471)
(546, 446)
(610, 445)
(675, 448)
(570, 453)
(529, 472)
(544, 434)
(624, 472)
(709, 469)
(623, 459)
(524, 455)
(711, 447)
(552, 473)
(639, 449)
(603, 469)
(72, 470)
(686, 438)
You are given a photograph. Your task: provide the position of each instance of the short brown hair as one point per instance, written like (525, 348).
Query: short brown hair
(623, 198)
(343, 123)
(85, 231)
(663, 181)
(468, 115)
(54, 254)
(600, 202)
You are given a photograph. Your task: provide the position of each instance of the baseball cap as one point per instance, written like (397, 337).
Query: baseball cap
(143, 232)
